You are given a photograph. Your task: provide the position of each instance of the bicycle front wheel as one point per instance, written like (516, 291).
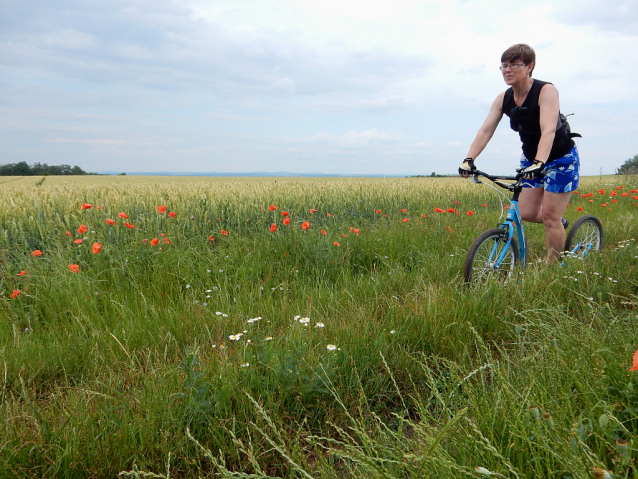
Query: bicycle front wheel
(586, 235)
(491, 256)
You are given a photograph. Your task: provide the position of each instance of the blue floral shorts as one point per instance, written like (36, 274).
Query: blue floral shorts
(561, 175)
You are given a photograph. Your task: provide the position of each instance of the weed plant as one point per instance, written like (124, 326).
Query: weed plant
(203, 344)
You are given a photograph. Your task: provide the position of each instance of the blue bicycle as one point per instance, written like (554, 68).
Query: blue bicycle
(497, 252)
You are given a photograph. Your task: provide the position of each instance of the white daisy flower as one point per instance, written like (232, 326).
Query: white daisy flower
(331, 347)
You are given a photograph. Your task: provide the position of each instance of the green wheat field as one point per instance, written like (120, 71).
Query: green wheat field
(162, 327)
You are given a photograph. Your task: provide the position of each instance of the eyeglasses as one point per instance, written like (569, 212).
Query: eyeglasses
(511, 66)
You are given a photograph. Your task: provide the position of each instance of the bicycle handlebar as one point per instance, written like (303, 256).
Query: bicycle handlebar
(497, 179)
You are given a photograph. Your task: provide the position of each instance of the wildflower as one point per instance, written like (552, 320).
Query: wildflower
(211, 239)
(161, 209)
(77, 241)
(245, 365)
(218, 313)
(224, 232)
(450, 210)
(36, 252)
(97, 247)
(122, 215)
(68, 233)
(145, 240)
(378, 211)
(393, 331)
(86, 206)
(336, 244)
(304, 320)
(405, 220)
(579, 209)
(634, 366)
(355, 230)
(312, 210)
(75, 268)
(172, 214)
(439, 210)
(470, 213)
(403, 210)
(331, 347)
(305, 225)
(82, 229)
(320, 325)
(284, 213)
(235, 337)
(599, 473)
(484, 205)
(22, 273)
(129, 225)
(323, 232)
(154, 241)
(625, 194)
(345, 236)
(449, 229)
(15, 294)
(167, 241)
(328, 214)
(110, 222)
(269, 338)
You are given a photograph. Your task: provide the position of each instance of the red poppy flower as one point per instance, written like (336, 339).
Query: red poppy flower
(161, 209)
(224, 232)
(601, 192)
(78, 241)
(355, 230)
(97, 247)
(211, 239)
(272, 208)
(328, 214)
(591, 201)
(172, 214)
(99, 207)
(575, 192)
(634, 366)
(129, 225)
(110, 222)
(22, 273)
(403, 210)
(439, 210)
(449, 229)
(470, 213)
(624, 194)
(273, 228)
(323, 232)
(336, 244)
(86, 206)
(82, 229)
(286, 220)
(74, 268)
(145, 240)
(305, 225)
(450, 210)
(423, 215)
(378, 211)
(154, 241)
(579, 209)
(68, 233)
(15, 294)
(620, 187)
(405, 220)
(36, 252)
(615, 201)
(345, 236)
(167, 241)
(484, 205)
(613, 193)
(312, 210)
(284, 213)
(122, 215)
(458, 202)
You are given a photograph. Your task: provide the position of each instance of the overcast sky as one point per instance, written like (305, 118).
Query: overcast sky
(303, 86)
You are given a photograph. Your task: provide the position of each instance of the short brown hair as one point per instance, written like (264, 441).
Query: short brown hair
(521, 52)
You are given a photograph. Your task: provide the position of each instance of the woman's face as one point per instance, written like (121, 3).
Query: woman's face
(515, 71)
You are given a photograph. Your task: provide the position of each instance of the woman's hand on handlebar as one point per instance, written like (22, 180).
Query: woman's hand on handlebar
(467, 167)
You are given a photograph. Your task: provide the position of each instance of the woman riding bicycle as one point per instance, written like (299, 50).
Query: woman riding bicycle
(548, 148)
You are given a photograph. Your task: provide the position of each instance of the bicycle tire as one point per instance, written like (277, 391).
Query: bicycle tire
(584, 236)
(479, 264)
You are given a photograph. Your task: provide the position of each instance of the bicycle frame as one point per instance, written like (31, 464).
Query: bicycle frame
(513, 221)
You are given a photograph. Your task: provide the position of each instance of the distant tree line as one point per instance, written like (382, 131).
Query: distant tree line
(629, 167)
(40, 169)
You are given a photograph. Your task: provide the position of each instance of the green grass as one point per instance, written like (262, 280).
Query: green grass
(128, 366)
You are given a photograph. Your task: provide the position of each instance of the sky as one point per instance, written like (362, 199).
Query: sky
(303, 86)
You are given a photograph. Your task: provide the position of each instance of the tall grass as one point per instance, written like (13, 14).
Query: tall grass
(128, 366)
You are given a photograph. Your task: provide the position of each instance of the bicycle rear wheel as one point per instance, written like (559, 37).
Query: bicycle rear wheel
(586, 235)
(491, 256)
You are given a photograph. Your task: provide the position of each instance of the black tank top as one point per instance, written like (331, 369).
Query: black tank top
(526, 121)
